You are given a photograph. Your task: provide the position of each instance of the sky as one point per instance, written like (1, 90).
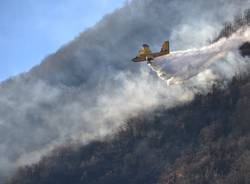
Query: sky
(30, 30)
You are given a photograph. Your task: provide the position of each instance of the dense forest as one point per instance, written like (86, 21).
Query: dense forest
(204, 141)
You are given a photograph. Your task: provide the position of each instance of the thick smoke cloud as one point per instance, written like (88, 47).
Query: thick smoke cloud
(89, 87)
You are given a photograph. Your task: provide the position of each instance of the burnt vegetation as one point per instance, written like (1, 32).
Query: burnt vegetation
(240, 21)
(205, 141)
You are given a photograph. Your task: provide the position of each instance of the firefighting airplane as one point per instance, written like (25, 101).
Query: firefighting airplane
(145, 53)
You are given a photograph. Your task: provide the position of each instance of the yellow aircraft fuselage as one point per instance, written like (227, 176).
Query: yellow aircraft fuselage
(146, 55)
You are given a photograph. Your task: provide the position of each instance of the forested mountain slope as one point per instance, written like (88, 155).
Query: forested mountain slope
(205, 141)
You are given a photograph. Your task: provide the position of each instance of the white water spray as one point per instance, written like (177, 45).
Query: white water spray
(190, 66)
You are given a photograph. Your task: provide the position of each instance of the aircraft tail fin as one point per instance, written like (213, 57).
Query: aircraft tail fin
(165, 46)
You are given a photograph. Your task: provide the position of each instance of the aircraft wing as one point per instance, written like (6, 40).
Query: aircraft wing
(152, 56)
(139, 59)
(158, 54)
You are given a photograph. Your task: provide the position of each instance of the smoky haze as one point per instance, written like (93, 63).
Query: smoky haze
(89, 87)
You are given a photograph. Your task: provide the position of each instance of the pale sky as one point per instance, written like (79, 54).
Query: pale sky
(32, 29)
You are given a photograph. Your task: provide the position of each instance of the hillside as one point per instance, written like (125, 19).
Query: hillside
(89, 88)
(204, 141)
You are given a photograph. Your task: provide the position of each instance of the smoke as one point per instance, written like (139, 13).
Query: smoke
(89, 87)
(195, 71)
(215, 62)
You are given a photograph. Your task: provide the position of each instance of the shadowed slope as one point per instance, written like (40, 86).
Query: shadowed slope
(206, 141)
(245, 49)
